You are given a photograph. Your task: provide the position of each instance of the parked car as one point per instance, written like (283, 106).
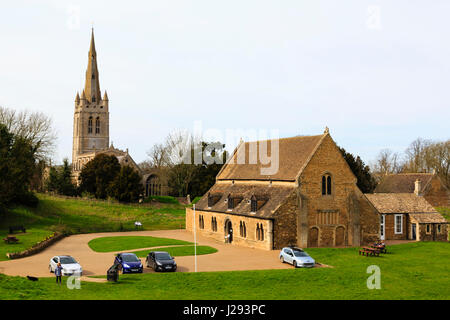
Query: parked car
(69, 265)
(297, 257)
(161, 261)
(129, 263)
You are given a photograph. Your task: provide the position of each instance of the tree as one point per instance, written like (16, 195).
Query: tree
(97, 175)
(16, 168)
(387, 162)
(366, 183)
(126, 186)
(34, 127)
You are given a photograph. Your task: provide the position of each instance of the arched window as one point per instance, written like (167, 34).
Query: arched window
(213, 224)
(90, 125)
(201, 222)
(93, 99)
(326, 185)
(97, 125)
(261, 230)
(258, 234)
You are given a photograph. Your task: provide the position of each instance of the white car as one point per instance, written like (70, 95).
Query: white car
(297, 257)
(69, 265)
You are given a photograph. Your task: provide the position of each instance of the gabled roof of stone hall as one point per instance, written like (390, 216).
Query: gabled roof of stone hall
(400, 203)
(269, 198)
(294, 154)
(403, 182)
(428, 218)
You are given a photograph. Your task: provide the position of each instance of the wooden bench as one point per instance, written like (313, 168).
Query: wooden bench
(11, 239)
(16, 228)
(380, 247)
(366, 251)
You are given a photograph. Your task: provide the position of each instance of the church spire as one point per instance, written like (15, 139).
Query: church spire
(92, 84)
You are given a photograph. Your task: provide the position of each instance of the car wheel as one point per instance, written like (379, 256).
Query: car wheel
(50, 268)
(295, 264)
(282, 259)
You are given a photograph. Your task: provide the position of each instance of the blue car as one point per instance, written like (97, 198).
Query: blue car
(129, 263)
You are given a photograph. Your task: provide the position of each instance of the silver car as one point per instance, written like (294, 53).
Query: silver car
(297, 257)
(69, 265)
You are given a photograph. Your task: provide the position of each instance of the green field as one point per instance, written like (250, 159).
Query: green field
(111, 244)
(409, 271)
(179, 251)
(84, 216)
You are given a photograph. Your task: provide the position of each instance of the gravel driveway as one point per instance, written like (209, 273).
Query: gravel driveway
(228, 257)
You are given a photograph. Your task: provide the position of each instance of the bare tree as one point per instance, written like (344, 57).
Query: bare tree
(415, 156)
(35, 127)
(387, 162)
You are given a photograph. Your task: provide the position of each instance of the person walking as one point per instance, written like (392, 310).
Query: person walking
(58, 273)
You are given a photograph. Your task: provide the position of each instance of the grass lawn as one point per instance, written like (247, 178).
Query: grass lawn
(410, 271)
(179, 251)
(111, 244)
(84, 216)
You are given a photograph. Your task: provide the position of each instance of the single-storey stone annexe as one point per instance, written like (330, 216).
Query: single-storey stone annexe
(311, 201)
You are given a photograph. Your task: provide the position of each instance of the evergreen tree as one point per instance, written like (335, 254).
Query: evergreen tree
(366, 183)
(126, 186)
(97, 175)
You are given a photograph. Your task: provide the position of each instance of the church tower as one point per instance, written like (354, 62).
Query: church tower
(91, 115)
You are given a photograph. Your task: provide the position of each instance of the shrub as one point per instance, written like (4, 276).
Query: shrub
(162, 199)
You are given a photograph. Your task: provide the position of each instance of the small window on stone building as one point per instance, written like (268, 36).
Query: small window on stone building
(326, 185)
(214, 224)
(90, 125)
(97, 125)
(230, 203)
(93, 98)
(428, 228)
(253, 204)
(242, 229)
(398, 221)
(439, 228)
(262, 232)
(201, 222)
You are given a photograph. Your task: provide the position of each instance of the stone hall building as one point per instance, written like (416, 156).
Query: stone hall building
(91, 122)
(428, 185)
(311, 201)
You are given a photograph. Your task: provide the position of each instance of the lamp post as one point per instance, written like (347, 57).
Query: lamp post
(195, 243)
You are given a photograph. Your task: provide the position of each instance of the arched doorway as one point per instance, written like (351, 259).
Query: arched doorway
(229, 231)
(313, 237)
(340, 236)
(152, 186)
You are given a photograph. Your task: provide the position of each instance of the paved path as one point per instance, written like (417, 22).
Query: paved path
(228, 257)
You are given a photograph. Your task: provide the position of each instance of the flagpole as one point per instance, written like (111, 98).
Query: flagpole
(195, 244)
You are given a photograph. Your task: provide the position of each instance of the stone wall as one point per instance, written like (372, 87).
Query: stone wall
(345, 211)
(433, 235)
(37, 247)
(250, 240)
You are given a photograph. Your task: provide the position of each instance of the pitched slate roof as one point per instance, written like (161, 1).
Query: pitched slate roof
(402, 182)
(400, 203)
(294, 154)
(428, 218)
(273, 194)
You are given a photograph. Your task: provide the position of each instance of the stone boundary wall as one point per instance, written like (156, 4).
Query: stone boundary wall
(37, 247)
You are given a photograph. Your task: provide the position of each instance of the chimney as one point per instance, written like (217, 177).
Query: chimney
(417, 187)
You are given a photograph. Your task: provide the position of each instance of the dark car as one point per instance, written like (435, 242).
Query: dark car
(161, 261)
(129, 263)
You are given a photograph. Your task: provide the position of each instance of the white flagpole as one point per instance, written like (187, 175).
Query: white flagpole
(195, 244)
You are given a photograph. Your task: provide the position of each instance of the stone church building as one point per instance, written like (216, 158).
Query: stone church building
(91, 122)
(311, 201)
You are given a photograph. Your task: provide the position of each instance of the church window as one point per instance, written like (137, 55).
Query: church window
(90, 125)
(326, 185)
(93, 98)
(97, 125)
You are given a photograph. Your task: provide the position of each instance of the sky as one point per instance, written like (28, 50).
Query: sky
(377, 73)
